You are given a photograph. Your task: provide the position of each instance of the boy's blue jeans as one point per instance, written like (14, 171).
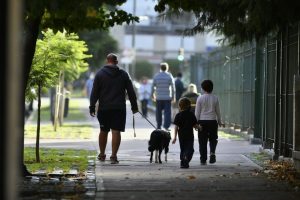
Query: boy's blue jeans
(163, 105)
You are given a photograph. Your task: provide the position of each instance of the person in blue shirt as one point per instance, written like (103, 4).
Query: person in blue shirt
(163, 93)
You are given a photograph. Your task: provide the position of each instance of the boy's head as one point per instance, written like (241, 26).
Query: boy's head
(184, 104)
(207, 86)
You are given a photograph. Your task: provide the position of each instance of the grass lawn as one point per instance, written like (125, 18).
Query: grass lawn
(229, 136)
(78, 93)
(75, 112)
(52, 159)
(67, 131)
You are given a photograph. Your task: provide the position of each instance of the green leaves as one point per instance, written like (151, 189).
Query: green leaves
(100, 43)
(238, 20)
(54, 53)
(77, 15)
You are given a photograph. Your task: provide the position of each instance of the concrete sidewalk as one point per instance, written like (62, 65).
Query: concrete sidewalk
(233, 176)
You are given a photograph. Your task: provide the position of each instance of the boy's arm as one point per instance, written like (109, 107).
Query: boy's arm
(175, 134)
(197, 109)
(218, 113)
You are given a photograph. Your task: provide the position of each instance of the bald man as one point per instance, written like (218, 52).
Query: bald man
(111, 84)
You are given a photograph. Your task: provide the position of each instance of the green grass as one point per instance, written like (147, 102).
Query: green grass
(78, 93)
(229, 136)
(260, 158)
(67, 131)
(74, 113)
(52, 159)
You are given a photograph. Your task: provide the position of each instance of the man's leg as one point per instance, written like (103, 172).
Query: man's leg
(102, 144)
(167, 114)
(158, 114)
(115, 143)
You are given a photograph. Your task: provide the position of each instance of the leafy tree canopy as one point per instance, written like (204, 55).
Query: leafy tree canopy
(143, 69)
(77, 14)
(237, 20)
(99, 43)
(54, 53)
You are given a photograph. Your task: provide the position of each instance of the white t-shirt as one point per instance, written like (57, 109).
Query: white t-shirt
(208, 108)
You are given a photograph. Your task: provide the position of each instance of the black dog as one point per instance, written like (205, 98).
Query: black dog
(159, 141)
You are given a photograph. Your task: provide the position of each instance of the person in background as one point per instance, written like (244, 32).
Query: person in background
(192, 95)
(163, 93)
(209, 117)
(110, 87)
(179, 86)
(179, 89)
(89, 85)
(144, 93)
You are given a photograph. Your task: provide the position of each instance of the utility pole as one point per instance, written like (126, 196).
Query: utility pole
(181, 54)
(133, 41)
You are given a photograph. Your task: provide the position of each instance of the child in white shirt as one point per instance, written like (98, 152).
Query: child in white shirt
(208, 115)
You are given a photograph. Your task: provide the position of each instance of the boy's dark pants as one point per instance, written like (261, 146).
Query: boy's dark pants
(186, 149)
(209, 133)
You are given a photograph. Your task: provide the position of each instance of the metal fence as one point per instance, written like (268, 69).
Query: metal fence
(232, 70)
(254, 83)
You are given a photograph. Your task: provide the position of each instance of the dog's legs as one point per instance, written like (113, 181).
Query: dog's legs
(159, 156)
(166, 152)
(156, 156)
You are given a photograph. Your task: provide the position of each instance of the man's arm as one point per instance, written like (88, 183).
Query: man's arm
(131, 95)
(94, 96)
(153, 90)
(173, 90)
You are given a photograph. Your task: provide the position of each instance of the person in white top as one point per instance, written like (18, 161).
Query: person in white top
(144, 93)
(208, 115)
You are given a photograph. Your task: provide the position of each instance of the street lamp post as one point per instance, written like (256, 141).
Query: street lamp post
(180, 56)
(133, 41)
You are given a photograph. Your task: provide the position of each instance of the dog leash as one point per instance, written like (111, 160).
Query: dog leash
(147, 119)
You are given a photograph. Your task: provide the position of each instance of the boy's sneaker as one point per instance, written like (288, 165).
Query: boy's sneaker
(203, 162)
(184, 165)
(212, 159)
(114, 160)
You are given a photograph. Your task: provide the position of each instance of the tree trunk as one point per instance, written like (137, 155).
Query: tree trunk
(31, 33)
(37, 144)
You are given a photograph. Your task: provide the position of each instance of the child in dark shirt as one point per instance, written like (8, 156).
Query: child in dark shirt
(184, 122)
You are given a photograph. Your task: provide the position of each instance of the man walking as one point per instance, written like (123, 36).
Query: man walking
(179, 86)
(179, 89)
(163, 92)
(109, 88)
